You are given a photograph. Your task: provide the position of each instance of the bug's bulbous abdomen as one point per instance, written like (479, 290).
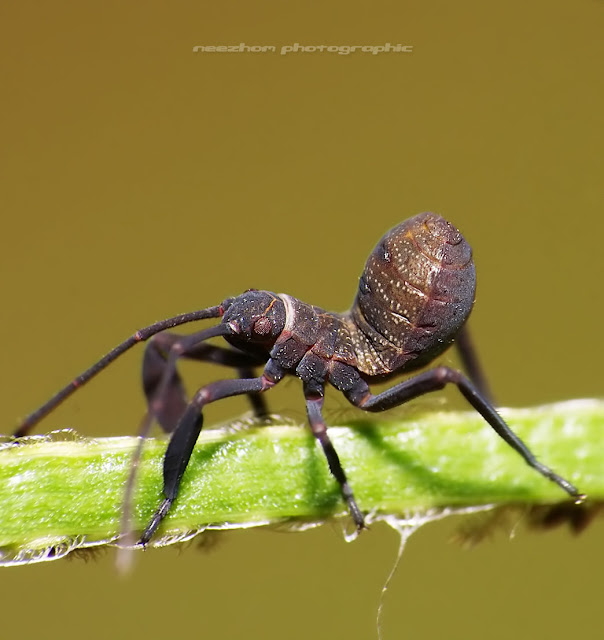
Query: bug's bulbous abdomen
(415, 293)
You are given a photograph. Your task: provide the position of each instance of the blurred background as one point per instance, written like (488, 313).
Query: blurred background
(141, 179)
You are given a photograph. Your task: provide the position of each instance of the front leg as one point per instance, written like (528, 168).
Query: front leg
(187, 431)
(159, 373)
(434, 380)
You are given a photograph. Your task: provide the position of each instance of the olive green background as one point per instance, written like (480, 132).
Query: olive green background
(141, 179)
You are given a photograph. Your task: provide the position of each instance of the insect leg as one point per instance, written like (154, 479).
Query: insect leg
(257, 400)
(187, 431)
(436, 379)
(173, 402)
(166, 399)
(168, 406)
(314, 404)
(471, 363)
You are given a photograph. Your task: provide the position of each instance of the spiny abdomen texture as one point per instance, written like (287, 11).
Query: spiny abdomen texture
(415, 293)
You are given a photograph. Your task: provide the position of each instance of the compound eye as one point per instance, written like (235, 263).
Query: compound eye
(262, 326)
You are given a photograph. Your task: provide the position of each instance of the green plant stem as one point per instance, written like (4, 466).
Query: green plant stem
(61, 491)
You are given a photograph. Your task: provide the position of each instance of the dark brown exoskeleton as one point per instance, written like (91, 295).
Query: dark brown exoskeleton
(414, 296)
